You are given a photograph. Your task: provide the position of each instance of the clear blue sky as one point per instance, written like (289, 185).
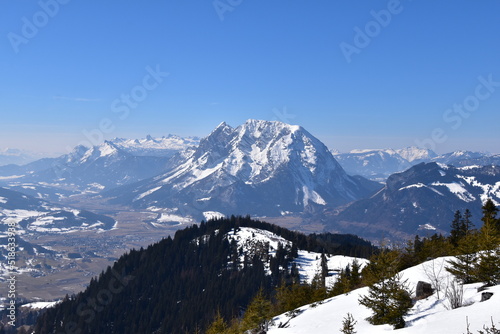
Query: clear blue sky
(274, 60)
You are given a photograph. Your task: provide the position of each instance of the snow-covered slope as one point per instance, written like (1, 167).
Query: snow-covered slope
(428, 316)
(260, 167)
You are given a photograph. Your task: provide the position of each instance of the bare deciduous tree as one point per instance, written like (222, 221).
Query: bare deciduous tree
(455, 294)
(435, 273)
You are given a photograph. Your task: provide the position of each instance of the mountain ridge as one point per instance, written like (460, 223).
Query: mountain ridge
(232, 167)
(421, 200)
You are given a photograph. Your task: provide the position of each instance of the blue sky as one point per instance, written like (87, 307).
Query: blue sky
(356, 74)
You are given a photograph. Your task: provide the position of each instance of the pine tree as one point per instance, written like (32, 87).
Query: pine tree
(218, 326)
(456, 231)
(318, 289)
(355, 279)
(324, 269)
(488, 267)
(348, 324)
(341, 285)
(388, 296)
(490, 215)
(258, 313)
(463, 267)
(466, 224)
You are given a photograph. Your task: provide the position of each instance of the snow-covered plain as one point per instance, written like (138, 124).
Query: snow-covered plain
(428, 316)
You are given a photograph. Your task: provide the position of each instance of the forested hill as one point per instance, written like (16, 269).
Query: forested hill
(178, 285)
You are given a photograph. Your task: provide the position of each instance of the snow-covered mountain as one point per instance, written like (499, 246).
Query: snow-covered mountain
(416, 155)
(421, 200)
(432, 315)
(372, 164)
(468, 158)
(165, 146)
(260, 168)
(90, 169)
(379, 164)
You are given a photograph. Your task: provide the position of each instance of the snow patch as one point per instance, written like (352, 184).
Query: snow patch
(442, 166)
(11, 177)
(168, 217)
(209, 215)
(312, 195)
(458, 190)
(469, 167)
(40, 305)
(149, 192)
(426, 227)
(416, 185)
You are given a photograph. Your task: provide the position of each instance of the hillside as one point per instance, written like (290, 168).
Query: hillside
(428, 316)
(179, 284)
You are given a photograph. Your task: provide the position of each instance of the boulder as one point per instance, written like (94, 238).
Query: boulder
(424, 290)
(486, 295)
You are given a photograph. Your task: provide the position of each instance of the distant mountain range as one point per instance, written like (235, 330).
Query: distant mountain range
(379, 164)
(265, 169)
(155, 147)
(11, 156)
(91, 170)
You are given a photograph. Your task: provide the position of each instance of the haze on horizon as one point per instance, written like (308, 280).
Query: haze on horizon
(378, 74)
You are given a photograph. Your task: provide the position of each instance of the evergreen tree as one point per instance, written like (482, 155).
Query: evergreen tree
(456, 230)
(355, 278)
(490, 212)
(218, 326)
(388, 296)
(466, 225)
(348, 324)
(342, 284)
(324, 269)
(258, 314)
(318, 289)
(488, 267)
(463, 267)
